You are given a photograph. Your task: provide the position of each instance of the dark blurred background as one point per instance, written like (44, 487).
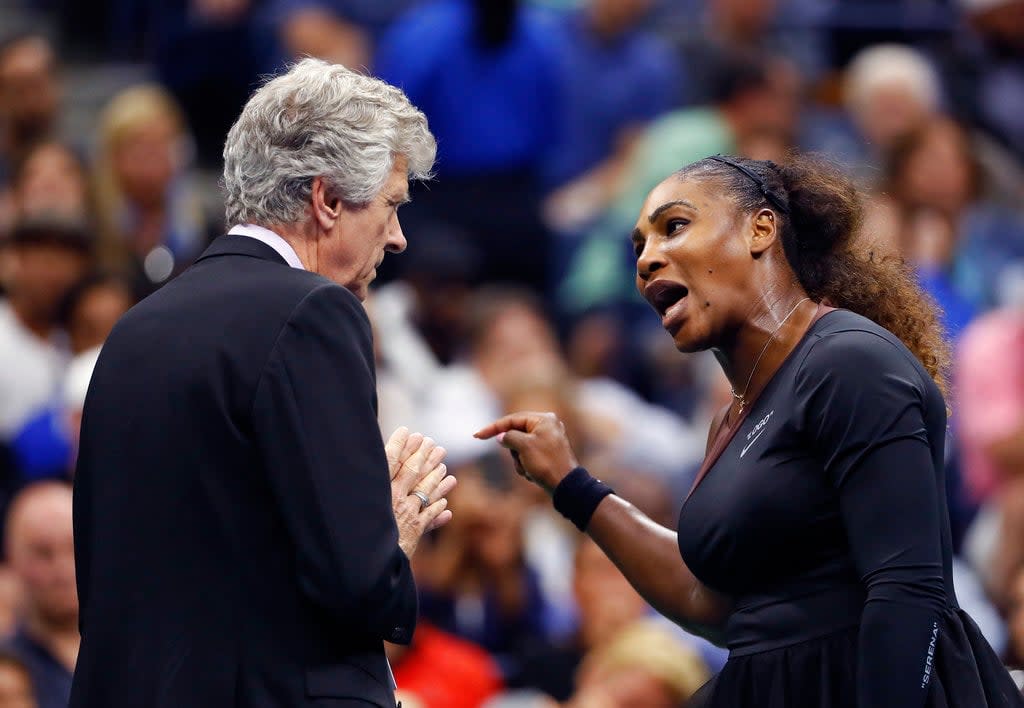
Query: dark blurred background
(554, 119)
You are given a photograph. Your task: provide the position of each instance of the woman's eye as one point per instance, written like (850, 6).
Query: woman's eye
(675, 224)
(638, 248)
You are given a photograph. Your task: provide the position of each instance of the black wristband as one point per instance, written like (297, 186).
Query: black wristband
(577, 496)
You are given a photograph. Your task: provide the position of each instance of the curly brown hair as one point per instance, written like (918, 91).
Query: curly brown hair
(825, 246)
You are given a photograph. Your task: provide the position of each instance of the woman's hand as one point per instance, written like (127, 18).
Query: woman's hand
(646, 552)
(539, 446)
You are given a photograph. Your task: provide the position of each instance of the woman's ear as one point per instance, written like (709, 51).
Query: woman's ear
(326, 206)
(764, 231)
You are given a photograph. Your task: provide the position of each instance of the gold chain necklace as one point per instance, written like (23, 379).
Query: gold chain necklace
(742, 397)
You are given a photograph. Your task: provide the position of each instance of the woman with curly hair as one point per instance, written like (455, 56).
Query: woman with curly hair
(815, 541)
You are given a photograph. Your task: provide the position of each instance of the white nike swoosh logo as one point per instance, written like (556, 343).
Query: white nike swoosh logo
(744, 450)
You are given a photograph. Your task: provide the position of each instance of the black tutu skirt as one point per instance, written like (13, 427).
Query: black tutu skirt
(821, 673)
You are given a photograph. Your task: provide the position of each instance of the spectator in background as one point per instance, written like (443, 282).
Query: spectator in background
(418, 321)
(151, 220)
(486, 74)
(990, 415)
(964, 244)
(711, 32)
(311, 29)
(990, 75)
(990, 382)
(440, 670)
(604, 45)
(607, 604)
(208, 53)
(514, 360)
(511, 343)
(92, 308)
(973, 598)
(340, 31)
(29, 96)
(889, 90)
(40, 550)
(613, 428)
(11, 601)
(549, 544)
(507, 336)
(429, 301)
(51, 180)
(474, 580)
(644, 665)
(47, 258)
(48, 442)
(15, 683)
(754, 95)
(75, 387)
(926, 232)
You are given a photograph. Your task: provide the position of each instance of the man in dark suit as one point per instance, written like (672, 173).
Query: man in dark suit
(237, 539)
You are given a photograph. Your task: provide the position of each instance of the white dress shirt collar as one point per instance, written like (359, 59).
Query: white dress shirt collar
(283, 248)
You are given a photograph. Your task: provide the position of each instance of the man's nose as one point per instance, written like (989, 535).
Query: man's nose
(396, 240)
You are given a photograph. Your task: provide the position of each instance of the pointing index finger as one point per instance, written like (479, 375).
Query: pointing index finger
(524, 421)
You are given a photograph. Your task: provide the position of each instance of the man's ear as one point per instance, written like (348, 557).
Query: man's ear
(326, 206)
(764, 230)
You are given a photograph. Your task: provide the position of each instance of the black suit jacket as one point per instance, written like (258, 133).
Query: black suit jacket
(234, 536)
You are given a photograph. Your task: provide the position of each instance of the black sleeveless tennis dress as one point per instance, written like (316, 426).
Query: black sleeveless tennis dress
(822, 513)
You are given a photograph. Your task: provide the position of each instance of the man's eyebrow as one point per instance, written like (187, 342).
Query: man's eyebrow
(666, 206)
(404, 199)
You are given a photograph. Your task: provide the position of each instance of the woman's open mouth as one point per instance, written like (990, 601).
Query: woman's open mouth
(663, 294)
(667, 297)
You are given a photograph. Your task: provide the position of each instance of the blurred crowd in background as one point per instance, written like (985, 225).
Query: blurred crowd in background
(554, 119)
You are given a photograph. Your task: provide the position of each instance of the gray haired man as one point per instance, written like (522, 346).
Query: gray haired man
(242, 536)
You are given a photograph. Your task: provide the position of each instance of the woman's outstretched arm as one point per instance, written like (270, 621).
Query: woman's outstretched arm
(646, 553)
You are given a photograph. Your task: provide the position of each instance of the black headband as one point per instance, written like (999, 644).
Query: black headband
(769, 195)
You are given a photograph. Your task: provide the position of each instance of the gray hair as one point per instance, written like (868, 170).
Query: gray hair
(319, 119)
(884, 65)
